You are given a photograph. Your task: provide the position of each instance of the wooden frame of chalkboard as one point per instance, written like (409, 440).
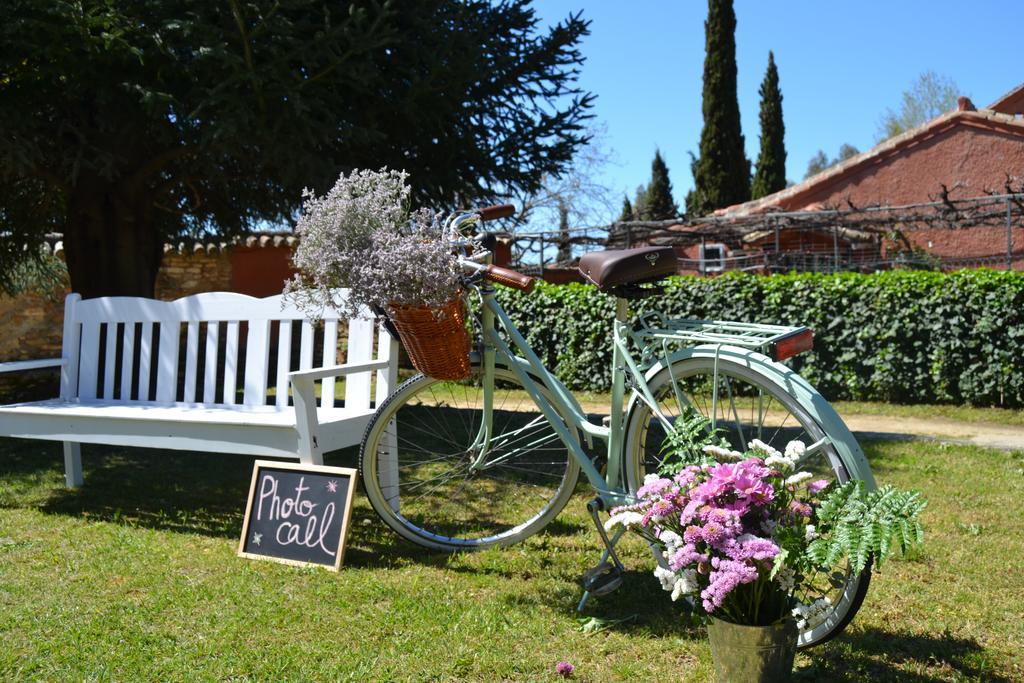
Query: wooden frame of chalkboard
(299, 538)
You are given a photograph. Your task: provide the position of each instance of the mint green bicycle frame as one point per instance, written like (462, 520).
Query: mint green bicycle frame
(655, 355)
(527, 367)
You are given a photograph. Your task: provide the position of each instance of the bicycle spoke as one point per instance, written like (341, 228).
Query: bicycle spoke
(442, 501)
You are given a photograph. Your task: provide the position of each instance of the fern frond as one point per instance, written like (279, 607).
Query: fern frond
(860, 525)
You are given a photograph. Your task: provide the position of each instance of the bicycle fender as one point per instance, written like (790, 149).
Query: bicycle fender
(789, 382)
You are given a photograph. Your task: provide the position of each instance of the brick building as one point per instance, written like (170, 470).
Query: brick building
(961, 154)
(965, 153)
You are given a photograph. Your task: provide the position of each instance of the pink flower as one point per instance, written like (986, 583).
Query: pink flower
(654, 487)
(564, 669)
(815, 487)
(801, 509)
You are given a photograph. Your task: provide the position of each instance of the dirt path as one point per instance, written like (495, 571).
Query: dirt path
(989, 435)
(868, 427)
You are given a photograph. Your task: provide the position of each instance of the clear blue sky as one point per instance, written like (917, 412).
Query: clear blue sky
(841, 64)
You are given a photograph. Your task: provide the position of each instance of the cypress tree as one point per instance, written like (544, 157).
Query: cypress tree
(770, 171)
(640, 203)
(660, 204)
(627, 210)
(722, 173)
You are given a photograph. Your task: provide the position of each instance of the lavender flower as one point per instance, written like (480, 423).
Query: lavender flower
(360, 236)
(564, 669)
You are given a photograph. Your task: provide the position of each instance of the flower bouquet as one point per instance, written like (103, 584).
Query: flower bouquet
(747, 537)
(361, 236)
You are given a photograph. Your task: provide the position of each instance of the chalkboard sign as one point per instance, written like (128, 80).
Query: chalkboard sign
(297, 514)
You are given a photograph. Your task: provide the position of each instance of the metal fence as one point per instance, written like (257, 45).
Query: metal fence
(847, 238)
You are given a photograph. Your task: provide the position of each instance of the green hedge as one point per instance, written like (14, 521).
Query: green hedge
(901, 336)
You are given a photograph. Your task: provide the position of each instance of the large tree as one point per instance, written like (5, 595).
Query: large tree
(658, 202)
(129, 123)
(770, 170)
(627, 210)
(722, 171)
(929, 96)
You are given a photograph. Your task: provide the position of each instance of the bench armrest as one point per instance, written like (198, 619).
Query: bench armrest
(19, 365)
(335, 370)
(305, 402)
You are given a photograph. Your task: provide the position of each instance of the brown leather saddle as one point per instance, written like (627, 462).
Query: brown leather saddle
(621, 268)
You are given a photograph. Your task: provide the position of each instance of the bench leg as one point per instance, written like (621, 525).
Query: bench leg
(312, 456)
(73, 464)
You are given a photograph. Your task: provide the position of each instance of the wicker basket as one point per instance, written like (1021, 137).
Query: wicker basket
(435, 338)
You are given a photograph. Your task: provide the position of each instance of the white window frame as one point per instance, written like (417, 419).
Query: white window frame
(716, 265)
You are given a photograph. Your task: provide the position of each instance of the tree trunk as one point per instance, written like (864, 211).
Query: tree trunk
(111, 245)
(564, 246)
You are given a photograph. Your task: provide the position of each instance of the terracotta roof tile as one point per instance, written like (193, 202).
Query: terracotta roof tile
(55, 243)
(1010, 103)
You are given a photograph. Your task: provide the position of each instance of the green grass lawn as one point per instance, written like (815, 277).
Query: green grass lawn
(135, 577)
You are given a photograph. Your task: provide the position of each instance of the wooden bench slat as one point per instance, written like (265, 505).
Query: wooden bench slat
(306, 347)
(230, 363)
(360, 349)
(191, 361)
(284, 360)
(127, 361)
(330, 357)
(167, 363)
(257, 363)
(88, 374)
(109, 361)
(210, 378)
(145, 359)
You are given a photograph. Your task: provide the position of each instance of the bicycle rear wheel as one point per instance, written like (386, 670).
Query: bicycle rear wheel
(417, 456)
(755, 399)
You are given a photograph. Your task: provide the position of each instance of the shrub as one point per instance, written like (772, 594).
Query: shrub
(899, 336)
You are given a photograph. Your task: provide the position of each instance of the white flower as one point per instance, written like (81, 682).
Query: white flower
(763, 448)
(798, 478)
(795, 450)
(685, 584)
(651, 478)
(786, 578)
(809, 616)
(689, 579)
(810, 533)
(624, 519)
(783, 462)
(723, 453)
(667, 577)
(670, 538)
(672, 541)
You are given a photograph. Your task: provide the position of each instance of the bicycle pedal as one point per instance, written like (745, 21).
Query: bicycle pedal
(602, 579)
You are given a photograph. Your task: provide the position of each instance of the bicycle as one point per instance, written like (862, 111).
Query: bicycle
(493, 459)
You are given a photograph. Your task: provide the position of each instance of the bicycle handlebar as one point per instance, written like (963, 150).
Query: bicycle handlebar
(490, 213)
(509, 278)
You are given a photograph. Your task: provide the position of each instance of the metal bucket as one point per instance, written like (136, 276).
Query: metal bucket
(749, 654)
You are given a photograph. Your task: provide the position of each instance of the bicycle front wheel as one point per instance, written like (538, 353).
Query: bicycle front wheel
(429, 478)
(749, 397)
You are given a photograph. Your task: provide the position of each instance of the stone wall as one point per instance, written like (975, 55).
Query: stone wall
(32, 323)
(184, 274)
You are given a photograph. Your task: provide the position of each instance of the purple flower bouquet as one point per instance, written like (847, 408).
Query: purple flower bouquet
(362, 237)
(747, 536)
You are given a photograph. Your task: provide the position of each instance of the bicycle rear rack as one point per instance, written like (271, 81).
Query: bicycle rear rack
(776, 341)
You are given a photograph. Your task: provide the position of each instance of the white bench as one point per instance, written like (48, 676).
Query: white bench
(168, 374)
